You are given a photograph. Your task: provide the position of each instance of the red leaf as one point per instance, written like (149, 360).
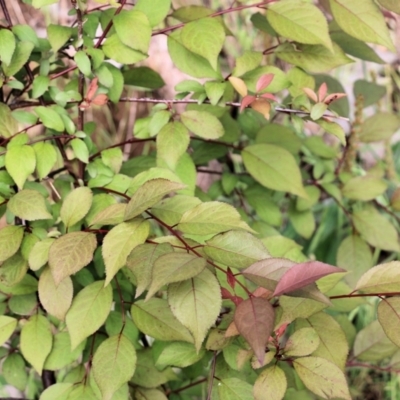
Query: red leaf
(303, 274)
(334, 96)
(264, 81)
(262, 106)
(226, 294)
(322, 91)
(247, 100)
(254, 319)
(93, 86)
(230, 278)
(311, 94)
(281, 330)
(100, 100)
(269, 96)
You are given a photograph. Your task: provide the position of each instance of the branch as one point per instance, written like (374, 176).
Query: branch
(350, 295)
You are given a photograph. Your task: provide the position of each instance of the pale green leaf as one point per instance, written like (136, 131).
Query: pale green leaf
(36, 341)
(133, 29)
(196, 303)
(203, 124)
(120, 241)
(303, 222)
(7, 327)
(156, 10)
(40, 86)
(111, 215)
(302, 343)
(80, 150)
(29, 204)
(7, 46)
(14, 371)
(50, 118)
(70, 253)
(112, 158)
(89, 311)
(248, 61)
(13, 270)
(299, 21)
(179, 354)
(76, 205)
(234, 389)
(238, 249)
(141, 260)
(20, 57)
(211, 218)
(376, 229)
(273, 167)
(56, 300)
(364, 188)
(149, 194)
(322, 377)
(42, 3)
(20, 163)
(113, 364)
(380, 126)
(174, 267)
(204, 37)
(362, 20)
(10, 241)
(82, 61)
(355, 255)
(59, 391)
(392, 5)
(172, 141)
(271, 384)
(389, 318)
(40, 254)
(333, 128)
(154, 318)
(8, 124)
(116, 50)
(46, 157)
(58, 35)
(313, 58)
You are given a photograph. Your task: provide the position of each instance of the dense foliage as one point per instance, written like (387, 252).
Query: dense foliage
(237, 241)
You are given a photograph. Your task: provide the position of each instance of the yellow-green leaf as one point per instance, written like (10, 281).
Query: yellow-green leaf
(76, 205)
(20, 163)
(389, 318)
(29, 204)
(271, 384)
(10, 241)
(203, 124)
(7, 327)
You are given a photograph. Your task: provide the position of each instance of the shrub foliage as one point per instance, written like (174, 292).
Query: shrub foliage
(124, 273)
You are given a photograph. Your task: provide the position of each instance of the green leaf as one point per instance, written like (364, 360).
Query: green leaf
(10, 241)
(59, 391)
(196, 303)
(215, 91)
(70, 253)
(29, 204)
(36, 341)
(322, 377)
(362, 20)
(355, 255)
(46, 157)
(141, 260)
(111, 215)
(172, 141)
(118, 51)
(281, 136)
(40, 254)
(370, 91)
(203, 124)
(58, 35)
(299, 21)
(179, 354)
(56, 300)
(83, 63)
(19, 59)
(80, 150)
(187, 61)
(143, 77)
(120, 241)
(303, 222)
(42, 3)
(204, 37)
(112, 158)
(155, 11)
(318, 110)
(14, 371)
(302, 343)
(234, 389)
(50, 118)
(114, 92)
(19, 170)
(8, 124)
(273, 167)
(174, 267)
(7, 327)
(271, 384)
(113, 364)
(154, 318)
(7, 46)
(88, 312)
(133, 29)
(149, 194)
(211, 218)
(380, 279)
(76, 205)
(364, 188)
(333, 128)
(391, 5)
(313, 58)
(380, 126)
(376, 229)
(389, 318)
(40, 86)
(248, 61)
(13, 270)
(238, 249)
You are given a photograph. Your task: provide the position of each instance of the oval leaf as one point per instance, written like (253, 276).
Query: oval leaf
(389, 318)
(76, 205)
(203, 124)
(29, 204)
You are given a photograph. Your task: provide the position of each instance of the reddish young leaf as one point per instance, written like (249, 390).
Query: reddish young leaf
(93, 86)
(281, 330)
(264, 81)
(262, 292)
(230, 278)
(322, 91)
(333, 97)
(254, 319)
(269, 96)
(303, 274)
(100, 100)
(247, 100)
(226, 294)
(311, 94)
(262, 106)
